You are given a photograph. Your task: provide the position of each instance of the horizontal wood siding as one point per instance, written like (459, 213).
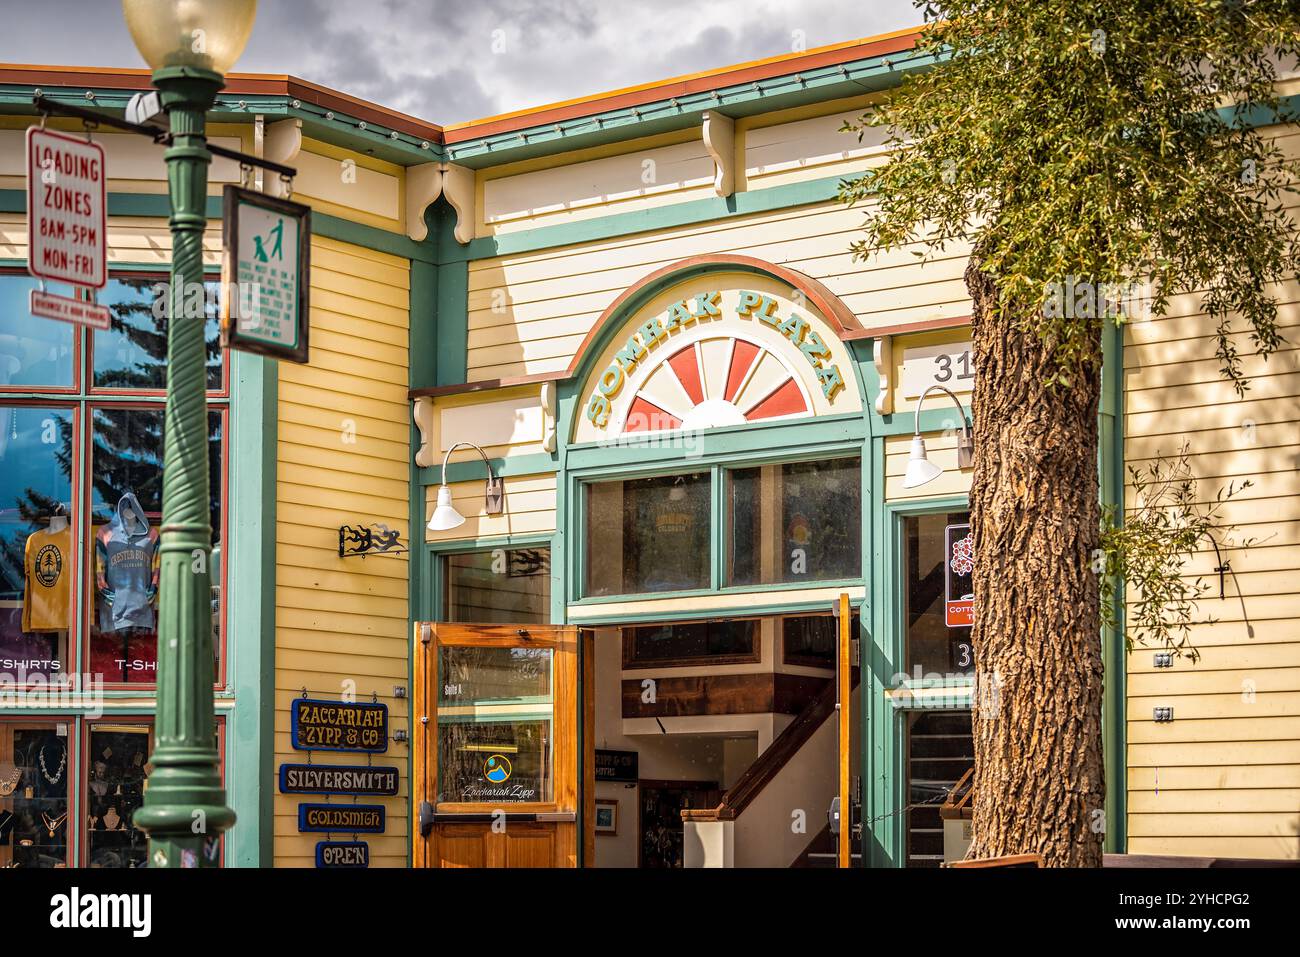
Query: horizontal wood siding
(1224, 777)
(343, 459)
(529, 313)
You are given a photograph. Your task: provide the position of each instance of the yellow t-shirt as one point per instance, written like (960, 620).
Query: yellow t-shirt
(48, 602)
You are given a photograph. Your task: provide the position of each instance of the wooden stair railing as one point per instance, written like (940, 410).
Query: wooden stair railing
(759, 774)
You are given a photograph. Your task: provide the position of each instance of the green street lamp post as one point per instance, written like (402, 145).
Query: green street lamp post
(189, 45)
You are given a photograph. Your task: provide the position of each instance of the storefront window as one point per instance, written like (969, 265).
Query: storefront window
(79, 585)
(36, 544)
(117, 755)
(496, 725)
(501, 585)
(33, 352)
(936, 568)
(133, 353)
(799, 521)
(126, 509)
(648, 535)
(728, 641)
(35, 767)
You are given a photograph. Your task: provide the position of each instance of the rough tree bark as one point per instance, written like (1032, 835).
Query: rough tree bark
(1039, 781)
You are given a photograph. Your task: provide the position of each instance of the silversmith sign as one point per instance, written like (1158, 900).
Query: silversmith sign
(339, 726)
(337, 779)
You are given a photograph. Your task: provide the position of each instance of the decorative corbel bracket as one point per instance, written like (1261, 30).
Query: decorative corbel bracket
(882, 354)
(720, 141)
(281, 144)
(423, 187)
(422, 412)
(425, 183)
(548, 416)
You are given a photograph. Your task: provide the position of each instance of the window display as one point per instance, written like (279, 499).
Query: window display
(649, 535)
(126, 510)
(798, 521)
(36, 552)
(81, 448)
(35, 767)
(117, 763)
(936, 645)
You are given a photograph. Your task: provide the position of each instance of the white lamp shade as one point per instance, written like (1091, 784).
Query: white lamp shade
(209, 34)
(445, 516)
(919, 468)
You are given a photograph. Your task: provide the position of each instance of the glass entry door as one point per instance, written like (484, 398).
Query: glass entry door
(496, 753)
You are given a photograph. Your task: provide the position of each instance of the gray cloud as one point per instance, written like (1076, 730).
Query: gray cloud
(451, 60)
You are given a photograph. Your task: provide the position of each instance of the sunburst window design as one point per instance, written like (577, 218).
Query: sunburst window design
(716, 382)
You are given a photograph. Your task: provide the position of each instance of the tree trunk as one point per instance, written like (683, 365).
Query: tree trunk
(1039, 785)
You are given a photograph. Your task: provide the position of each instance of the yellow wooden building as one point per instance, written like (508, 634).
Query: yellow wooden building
(638, 311)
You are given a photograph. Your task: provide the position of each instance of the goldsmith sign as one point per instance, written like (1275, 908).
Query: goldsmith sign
(337, 779)
(353, 818)
(339, 726)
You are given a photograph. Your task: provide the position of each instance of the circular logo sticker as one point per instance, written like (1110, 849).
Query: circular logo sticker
(497, 769)
(49, 565)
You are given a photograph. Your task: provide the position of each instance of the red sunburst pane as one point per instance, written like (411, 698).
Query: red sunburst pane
(786, 400)
(647, 417)
(742, 357)
(688, 373)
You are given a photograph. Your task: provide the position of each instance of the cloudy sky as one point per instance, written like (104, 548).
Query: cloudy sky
(453, 60)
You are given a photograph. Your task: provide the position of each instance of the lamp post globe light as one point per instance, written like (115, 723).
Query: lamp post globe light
(189, 44)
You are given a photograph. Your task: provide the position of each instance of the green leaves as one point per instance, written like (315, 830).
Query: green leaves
(1149, 551)
(1104, 140)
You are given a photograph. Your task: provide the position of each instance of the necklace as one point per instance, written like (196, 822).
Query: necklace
(7, 787)
(57, 776)
(52, 824)
(111, 819)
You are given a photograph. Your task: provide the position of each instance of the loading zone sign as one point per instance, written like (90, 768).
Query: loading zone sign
(266, 274)
(66, 208)
(958, 576)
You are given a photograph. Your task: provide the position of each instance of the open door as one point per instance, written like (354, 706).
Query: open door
(496, 745)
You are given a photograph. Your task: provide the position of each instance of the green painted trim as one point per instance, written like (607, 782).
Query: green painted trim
(718, 591)
(423, 345)
(250, 628)
(781, 608)
(853, 78)
(369, 237)
(885, 843)
(789, 440)
(451, 309)
(675, 215)
(157, 205)
(1111, 486)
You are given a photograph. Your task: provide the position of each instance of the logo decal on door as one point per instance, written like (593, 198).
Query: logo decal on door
(497, 769)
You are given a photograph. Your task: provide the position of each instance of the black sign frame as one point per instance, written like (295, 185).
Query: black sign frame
(387, 770)
(231, 338)
(296, 723)
(306, 808)
(322, 846)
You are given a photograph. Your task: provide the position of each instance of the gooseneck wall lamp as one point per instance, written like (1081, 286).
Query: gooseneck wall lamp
(919, 468)
(445, 517)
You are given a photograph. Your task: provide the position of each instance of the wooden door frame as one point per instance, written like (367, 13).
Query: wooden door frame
(563, 809)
